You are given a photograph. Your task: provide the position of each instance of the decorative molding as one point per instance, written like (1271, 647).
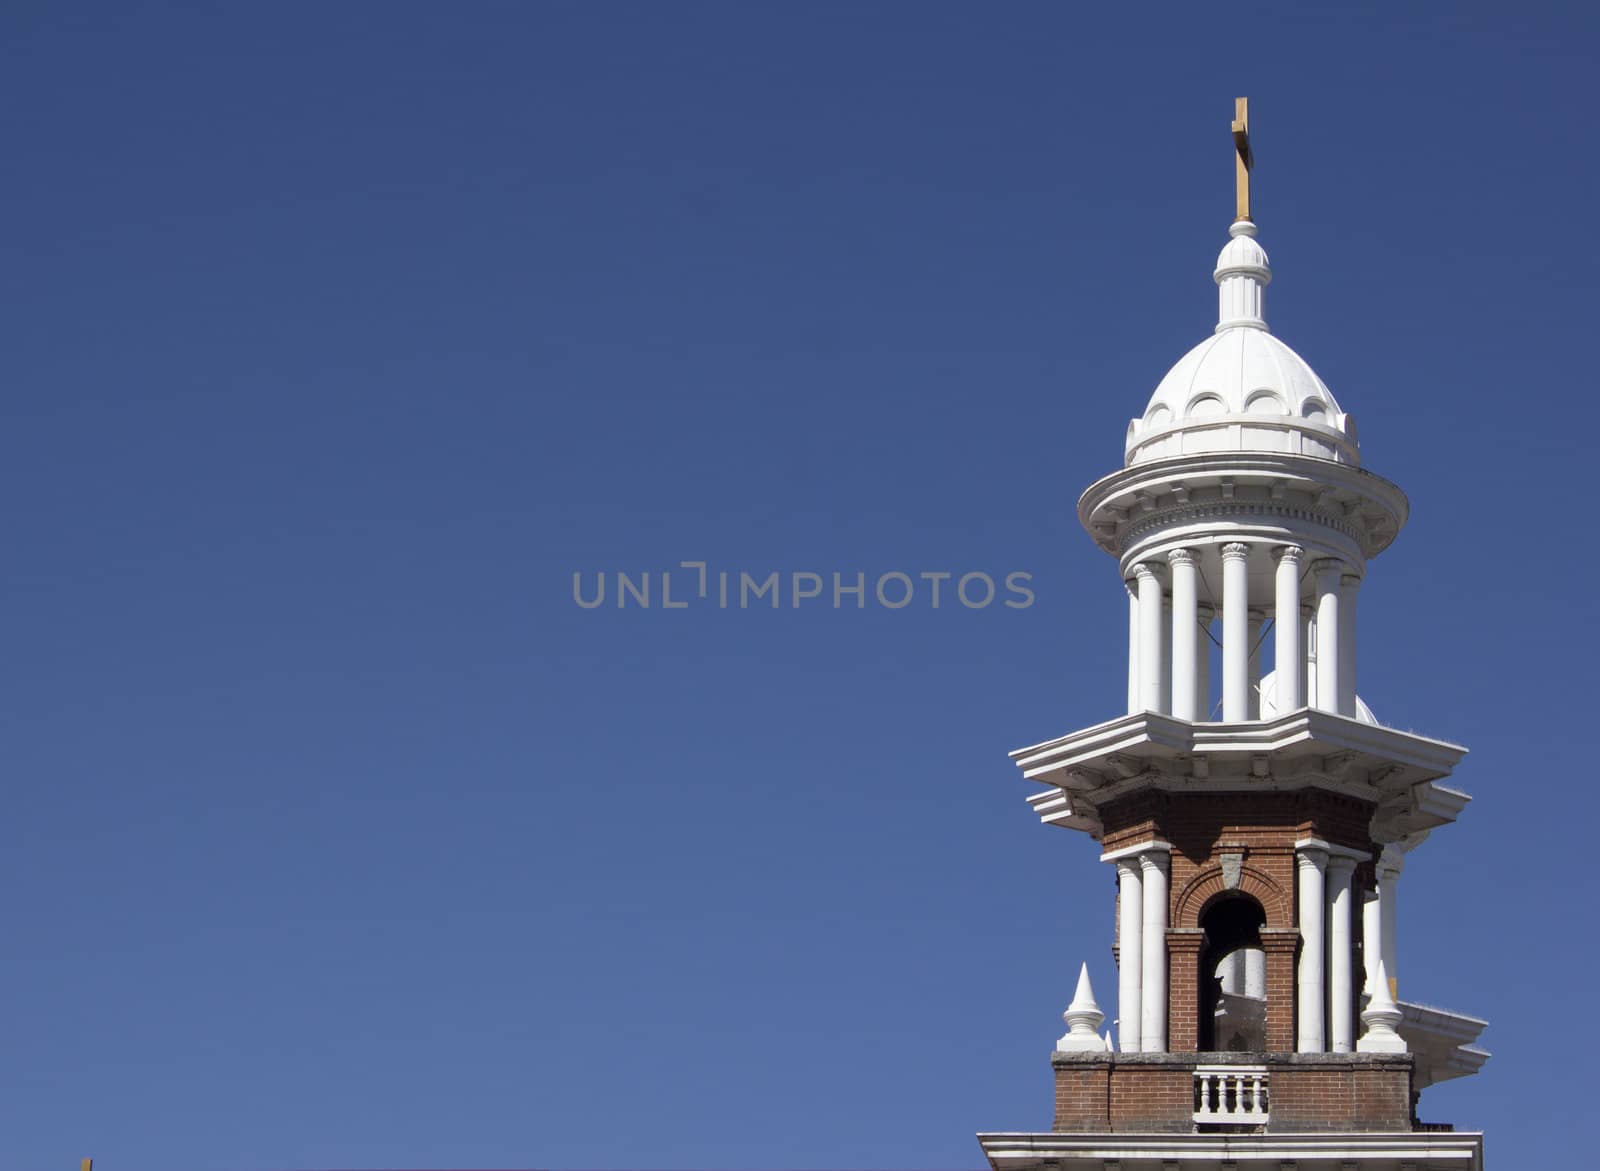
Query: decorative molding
(1234, 550)
(1241, 510)
(1180, 557)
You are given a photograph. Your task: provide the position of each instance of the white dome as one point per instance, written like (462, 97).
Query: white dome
(1242, 389)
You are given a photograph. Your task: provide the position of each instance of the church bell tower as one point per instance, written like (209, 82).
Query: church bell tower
(1258, 820)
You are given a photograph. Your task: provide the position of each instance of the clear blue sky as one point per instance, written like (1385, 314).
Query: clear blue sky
(339, 336)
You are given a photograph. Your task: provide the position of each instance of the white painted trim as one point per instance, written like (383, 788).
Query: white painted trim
(1134, 851)
(1089, 1152)
(1332, 850)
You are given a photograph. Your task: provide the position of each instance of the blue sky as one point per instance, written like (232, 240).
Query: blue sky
(340, 336)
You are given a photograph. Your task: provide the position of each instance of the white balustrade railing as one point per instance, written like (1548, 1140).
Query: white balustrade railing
(1230, 1094)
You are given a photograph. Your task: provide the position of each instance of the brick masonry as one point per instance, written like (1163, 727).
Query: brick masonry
(1309, 1092)
(1261, 828)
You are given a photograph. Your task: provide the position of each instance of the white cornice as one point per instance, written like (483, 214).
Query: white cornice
(1394, 770)
(1296, 488)
(1425, 1150)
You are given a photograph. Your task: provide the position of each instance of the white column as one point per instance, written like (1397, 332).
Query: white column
(1341, 1009)
(1185, 632)
(1153, 985)
(1235, 632)
(1309, 864)
(1255, 973)
(1258, 619)
(1134, 693)
(1151, 640)
(1308, 639)
(1371, 937)
(1349, 584)
(1166, 653)
(1328, 572)
(1288, 659)
(1390, 863)
(1202, 660)
(1130, 952)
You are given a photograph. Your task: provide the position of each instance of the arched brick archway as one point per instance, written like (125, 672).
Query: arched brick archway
(1279, 938)
(1209, 885)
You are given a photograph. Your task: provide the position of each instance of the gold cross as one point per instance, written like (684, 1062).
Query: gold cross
(1243, 159)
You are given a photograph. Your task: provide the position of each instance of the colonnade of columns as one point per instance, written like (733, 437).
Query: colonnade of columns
(1325, 989)
(1142, 891)
(1169, 636)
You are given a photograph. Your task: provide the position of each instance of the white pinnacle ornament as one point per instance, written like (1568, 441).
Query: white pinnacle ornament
(1381, 1016)
(1083, 1017)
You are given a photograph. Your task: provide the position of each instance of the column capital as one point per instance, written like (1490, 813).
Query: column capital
(1341, 866)
(1346, 580)
(1288, 553)
(1132, 852)
(1332, 849)
(1155, 860)
(1328, 565)
(1311, 857)
(1180, 557)
(1392, 855)
(1145, 570)
(1235, 549)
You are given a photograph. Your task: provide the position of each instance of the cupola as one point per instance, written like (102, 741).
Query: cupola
(1242, 390)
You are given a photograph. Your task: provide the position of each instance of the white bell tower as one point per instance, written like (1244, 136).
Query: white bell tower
(1257, 821)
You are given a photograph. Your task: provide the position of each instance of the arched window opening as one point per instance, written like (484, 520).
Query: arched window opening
(1233, 977)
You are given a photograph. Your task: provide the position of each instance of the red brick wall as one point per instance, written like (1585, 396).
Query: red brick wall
(1152, 1098)
(1282, 946)
(1083, 1095)
(1148, 1092)
(1183, 988)
(1366, 1094)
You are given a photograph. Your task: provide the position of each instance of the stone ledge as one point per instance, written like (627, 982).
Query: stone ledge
(1190, 1060)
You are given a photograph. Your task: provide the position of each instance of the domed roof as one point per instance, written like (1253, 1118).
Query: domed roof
(1242, 389)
